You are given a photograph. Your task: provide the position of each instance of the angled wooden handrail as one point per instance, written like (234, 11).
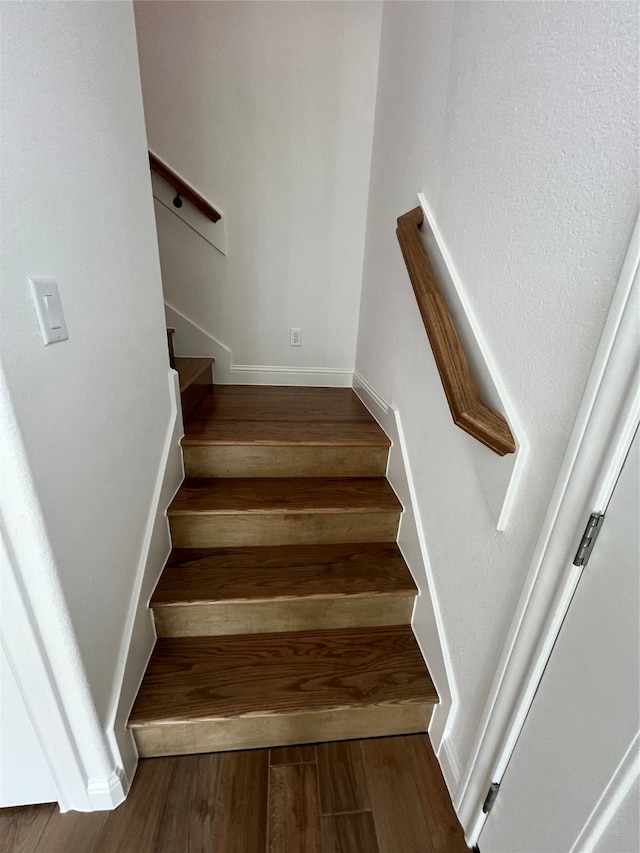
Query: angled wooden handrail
(183, 187)
(467, 409)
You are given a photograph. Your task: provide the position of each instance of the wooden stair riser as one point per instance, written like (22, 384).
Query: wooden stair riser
(257, 732)
(258, 617)
(283, 461)
(202, 530)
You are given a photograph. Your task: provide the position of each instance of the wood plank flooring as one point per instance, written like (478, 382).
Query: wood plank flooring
(384, 795)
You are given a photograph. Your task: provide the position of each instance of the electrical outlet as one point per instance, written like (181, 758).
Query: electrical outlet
(295, 337)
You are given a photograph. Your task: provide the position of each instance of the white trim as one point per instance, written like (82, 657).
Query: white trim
(38, 637)
(362, 388)
(215, 233)
(262, 374)
(599, 440)
(619, 786)
(192, 340)
(450, 765)
(156, 546)
(426, 619)
(106, 794)
(490, 372)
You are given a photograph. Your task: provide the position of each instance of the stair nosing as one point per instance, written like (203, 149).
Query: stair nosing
(404, 592)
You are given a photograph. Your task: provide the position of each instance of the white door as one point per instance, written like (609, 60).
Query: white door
(573, 773)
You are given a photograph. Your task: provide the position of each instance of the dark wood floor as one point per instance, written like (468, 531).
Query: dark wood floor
(384, 795)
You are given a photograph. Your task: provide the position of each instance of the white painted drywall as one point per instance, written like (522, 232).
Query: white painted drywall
(267, 108)
(519, 123)
(93, 411)
(622, 834)
(24, 772)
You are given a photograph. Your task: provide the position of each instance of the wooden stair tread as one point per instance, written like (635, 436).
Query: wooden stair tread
(189, 369)
(324, 434)
(208, 678)
(236, 414)
(286, 495)
(284, 402)
(198, 576)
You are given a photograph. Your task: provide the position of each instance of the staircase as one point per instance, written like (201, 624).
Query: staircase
(283, 614)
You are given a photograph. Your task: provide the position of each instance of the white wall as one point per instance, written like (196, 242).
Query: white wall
(519, 123)
(24, 772)
(93, 412)
(267, 108)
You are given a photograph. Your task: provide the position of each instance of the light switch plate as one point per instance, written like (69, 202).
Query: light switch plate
(46, 298)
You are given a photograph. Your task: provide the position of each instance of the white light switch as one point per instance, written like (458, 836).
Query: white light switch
(46, 298)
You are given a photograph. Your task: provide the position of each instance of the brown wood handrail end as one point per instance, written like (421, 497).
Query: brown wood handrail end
(467, 409)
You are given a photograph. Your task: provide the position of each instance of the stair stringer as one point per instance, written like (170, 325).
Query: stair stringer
(193, 341)
(139, 636)
(427, 620)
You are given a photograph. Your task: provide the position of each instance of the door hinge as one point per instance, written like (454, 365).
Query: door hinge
(591, 531)
(491, 797)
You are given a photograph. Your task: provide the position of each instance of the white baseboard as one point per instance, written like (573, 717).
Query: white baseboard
(426, 620)
(107, 794)
(450, 766)
(258, 374)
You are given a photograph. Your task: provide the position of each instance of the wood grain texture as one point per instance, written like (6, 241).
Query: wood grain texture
(349, 833)
(196, 380)
(206, 530)
(463, 395)
(294, 819)
(377, 558)
(271, 403)
(283, 460)
(188, 824)
(336, 588)
(410, 801)
(304, 726)
(444, 829)
(72, 832)
(341, 778)
(219, 803)
(263, 416)
(181, 186)
(131, 828)
(240, 824)
(263, 511)
(258, 617)
(401, 826)
(312, 571)
(292, 755)
(21, 828)
(196, 678)
(192, 369)
(289, 495)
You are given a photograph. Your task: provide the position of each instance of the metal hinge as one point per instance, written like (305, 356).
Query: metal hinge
(491, 797)
(591, 531)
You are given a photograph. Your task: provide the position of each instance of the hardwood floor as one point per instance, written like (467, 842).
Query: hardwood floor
(384, 795)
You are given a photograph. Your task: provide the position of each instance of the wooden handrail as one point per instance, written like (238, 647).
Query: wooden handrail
(467, 409)
(183, 187)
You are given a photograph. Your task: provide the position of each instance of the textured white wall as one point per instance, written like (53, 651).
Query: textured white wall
(93, 411)
(267, 108)
(519, 122)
